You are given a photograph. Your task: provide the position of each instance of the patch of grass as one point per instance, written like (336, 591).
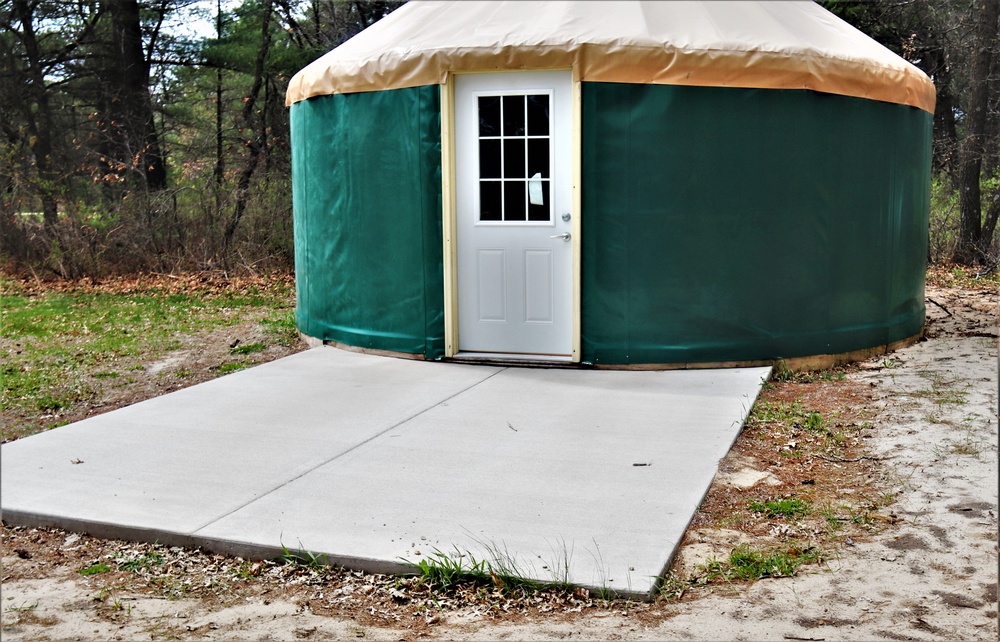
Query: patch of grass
(942, 397)
(941, 392)
(107, 597)
(747, 564)
(444, 572)
(281, 328)
(231, 366)
(50, 340)
(791, 508)
(864, 514)
(26, 614)
(95, 569)
(248, 348)
(670, 588)
(508, 574)
(967, 447)
(501, 570)
(301, 557)
(782, 373)
(142, 562)
(777, 412)
(170, 587)
(822, 375)
(968, 444)
(833, 521)
(793, 416)
(815, 422)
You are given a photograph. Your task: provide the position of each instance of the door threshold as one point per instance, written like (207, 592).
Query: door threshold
(516, 359)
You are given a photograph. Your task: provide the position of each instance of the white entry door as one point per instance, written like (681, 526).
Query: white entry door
(514, 195)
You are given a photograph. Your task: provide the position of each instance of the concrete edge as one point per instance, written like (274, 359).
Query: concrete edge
(102, 530)
(246, 550)
(252, 551)
(673, 553)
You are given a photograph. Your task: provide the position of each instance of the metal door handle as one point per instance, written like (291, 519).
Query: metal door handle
(564, 236)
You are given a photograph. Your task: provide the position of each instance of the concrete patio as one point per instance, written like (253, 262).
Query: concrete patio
(590, 476)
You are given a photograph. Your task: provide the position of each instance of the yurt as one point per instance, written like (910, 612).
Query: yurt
(621, 184)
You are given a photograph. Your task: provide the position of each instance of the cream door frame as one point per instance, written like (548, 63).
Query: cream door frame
(449, 215)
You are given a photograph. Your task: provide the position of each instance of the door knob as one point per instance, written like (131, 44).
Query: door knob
(564, 236)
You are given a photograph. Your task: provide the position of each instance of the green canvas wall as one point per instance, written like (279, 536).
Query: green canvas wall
(366, 180)
(718, 224)
(735, 224)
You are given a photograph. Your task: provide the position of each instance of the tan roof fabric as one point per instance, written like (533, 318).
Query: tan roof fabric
(773, 45)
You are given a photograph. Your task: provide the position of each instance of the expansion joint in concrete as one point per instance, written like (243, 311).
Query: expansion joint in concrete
(325, 462)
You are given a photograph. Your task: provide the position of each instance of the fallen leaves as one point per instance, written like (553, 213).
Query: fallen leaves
(201, 283)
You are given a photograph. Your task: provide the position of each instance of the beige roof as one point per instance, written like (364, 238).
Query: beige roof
(774, 45)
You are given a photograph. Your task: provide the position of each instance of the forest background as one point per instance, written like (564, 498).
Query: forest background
(152, 136)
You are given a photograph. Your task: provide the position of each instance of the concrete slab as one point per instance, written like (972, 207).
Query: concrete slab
(177, 462)
(579, 475)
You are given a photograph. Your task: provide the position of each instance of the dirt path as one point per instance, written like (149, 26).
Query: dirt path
(928, 571)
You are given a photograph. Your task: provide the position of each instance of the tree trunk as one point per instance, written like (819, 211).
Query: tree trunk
(39, 120)
(142, 142)
(220, 168)
(945, 129)
(970, 239)
(254, 142)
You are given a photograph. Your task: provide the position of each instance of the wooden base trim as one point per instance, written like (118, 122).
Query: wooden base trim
(794, 364)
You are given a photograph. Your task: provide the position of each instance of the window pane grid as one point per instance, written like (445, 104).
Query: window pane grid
(514, 147)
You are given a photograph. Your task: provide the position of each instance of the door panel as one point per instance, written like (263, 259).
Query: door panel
(513, 200)
(538, 286)
(492, 272)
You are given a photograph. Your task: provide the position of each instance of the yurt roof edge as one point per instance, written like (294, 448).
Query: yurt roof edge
(801, 46)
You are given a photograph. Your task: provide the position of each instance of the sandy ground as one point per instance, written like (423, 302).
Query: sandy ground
(930, 575)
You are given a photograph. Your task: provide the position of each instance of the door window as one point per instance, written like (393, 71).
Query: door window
(514, 158)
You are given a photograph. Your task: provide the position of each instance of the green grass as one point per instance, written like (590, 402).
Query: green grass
(95, 569)
(500, 570)
(232, 366)
(941, 392)
(778, 412)
(815, 422)
(302, 557)
(248, 348)
(747, 564)
(281, 329)
(144, 561)
(791, 508)
(783, 373)
(792, 415)
(59, 349)
(444, 572)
